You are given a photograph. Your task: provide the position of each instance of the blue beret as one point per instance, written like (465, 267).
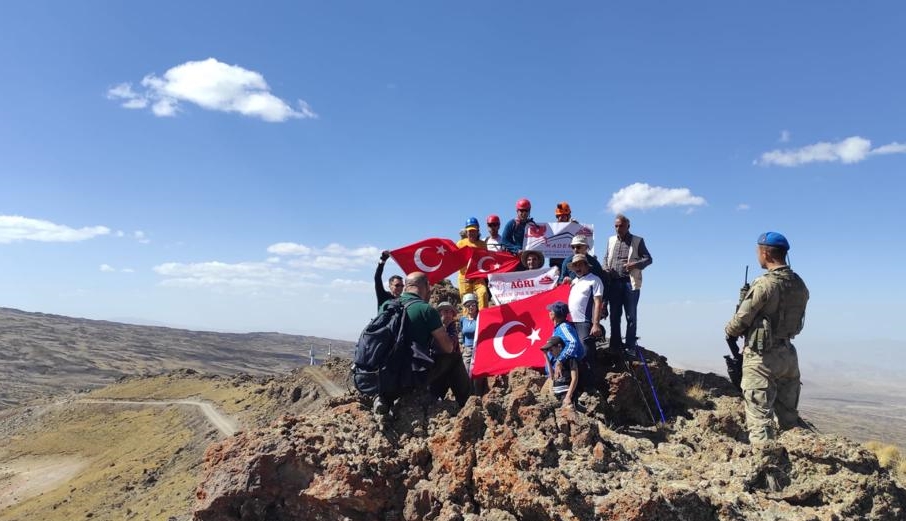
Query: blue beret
(559, 308)
(774, 239)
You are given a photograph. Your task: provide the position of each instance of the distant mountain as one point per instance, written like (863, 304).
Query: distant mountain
(42, 354)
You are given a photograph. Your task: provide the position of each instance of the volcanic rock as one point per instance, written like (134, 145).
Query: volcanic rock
(514, 454)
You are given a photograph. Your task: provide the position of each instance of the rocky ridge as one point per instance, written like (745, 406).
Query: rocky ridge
(512, 454)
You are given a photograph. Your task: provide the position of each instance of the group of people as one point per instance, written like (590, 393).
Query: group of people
(770, 314)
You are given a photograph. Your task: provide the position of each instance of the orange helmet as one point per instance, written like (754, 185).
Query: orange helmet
(523, 204)
(563, 209)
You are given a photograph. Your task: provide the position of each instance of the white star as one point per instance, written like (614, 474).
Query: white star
(441, 250)
(496, 266)
(535, 336)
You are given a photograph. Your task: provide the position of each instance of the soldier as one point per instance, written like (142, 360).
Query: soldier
(771, 314)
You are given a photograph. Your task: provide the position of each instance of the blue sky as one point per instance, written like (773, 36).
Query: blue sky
(271, 151)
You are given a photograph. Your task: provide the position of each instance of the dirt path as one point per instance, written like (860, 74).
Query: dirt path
(27, 477)
(317, 374)
(227, 426)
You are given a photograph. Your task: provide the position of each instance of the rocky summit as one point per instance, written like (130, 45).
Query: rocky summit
(513, 454)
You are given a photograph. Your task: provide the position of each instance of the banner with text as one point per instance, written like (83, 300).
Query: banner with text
(552, 239)
(516, 285)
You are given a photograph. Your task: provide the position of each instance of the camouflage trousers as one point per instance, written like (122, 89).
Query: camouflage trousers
(770, 386)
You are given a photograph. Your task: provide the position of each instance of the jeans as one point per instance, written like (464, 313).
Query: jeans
(622, 297)
(587, 364)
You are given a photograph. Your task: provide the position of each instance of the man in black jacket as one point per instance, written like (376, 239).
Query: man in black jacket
(395, 282)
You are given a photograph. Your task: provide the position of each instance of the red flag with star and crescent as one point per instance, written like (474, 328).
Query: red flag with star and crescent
(511, 335)
(436, 258)
(484, 262)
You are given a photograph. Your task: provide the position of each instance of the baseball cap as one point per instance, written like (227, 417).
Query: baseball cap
(552, 342)
(579, 239)
(559, 308)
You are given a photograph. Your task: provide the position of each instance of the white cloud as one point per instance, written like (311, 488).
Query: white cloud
(243, 275)
(356, 286)
(14, 228)
(212, 85)
(643, 196)
(141, 237)
(288, 248)
(119, 233)
(130, 99)
(298, 274)
(850, 150)
(106, 268)
(332, 257)
(890, 148)
(742, 207)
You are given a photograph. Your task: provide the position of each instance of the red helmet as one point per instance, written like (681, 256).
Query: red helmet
(523, 204)
(493, 219)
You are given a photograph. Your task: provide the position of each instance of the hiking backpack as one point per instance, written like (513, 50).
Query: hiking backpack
(386, 363)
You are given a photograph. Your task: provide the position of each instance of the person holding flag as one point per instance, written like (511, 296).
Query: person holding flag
(514, 232)
(573, 348)
(477, 286)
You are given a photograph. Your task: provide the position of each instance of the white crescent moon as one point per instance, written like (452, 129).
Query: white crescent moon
(498, 341)
(421, 265)
(481, 263)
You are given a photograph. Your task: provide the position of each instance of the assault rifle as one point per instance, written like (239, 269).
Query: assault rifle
(734, 362)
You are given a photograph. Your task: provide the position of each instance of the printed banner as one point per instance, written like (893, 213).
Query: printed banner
(552, 239)
(511, 335)
(437, 258)
(517, 285)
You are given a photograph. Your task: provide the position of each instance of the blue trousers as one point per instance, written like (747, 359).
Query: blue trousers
(622, 297)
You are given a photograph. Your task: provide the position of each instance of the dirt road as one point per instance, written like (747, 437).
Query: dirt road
(227, 426)
(317, 374)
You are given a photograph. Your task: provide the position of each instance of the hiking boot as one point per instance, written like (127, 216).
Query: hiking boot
(380, 408)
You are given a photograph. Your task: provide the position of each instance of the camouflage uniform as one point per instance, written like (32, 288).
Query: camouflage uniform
(770, 315)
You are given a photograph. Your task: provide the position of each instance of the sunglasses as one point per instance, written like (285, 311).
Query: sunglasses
(493, 225)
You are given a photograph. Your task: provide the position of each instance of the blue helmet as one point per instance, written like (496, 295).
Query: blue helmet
(774, 240)
(472, 222)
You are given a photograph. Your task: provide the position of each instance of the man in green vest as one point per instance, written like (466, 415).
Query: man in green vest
(770, 315)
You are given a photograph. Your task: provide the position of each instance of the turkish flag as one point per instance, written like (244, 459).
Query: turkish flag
(484, 262)
(511, 335)
(436, 258)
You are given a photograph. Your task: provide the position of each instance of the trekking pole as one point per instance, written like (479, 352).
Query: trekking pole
(638, 385)
(657, 402)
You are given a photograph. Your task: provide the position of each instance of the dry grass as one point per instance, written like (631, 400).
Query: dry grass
(696, 393)
(232, 398)
(143, 462)
(889, 457)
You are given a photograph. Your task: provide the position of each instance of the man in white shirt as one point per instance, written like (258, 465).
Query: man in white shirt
(586, 303)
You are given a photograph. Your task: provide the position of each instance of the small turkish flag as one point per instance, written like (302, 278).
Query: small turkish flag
(511, 335)
(484, 262)
(436, 258)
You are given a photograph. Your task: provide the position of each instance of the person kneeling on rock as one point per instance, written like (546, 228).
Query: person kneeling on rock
(564, 373)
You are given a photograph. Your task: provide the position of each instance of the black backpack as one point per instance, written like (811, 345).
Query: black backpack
(386, 363)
